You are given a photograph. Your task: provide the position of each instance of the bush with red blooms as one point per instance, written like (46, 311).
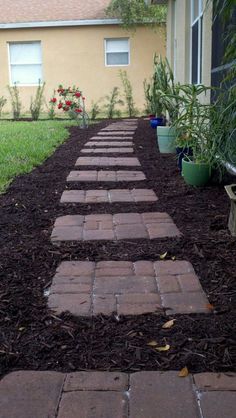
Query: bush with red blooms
(52, 106)
(71, 101)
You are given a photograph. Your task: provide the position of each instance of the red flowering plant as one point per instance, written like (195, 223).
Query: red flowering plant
(52, 106)
(73, 102)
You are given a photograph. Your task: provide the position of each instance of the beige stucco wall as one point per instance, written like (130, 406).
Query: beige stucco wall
(178, 39)
(75, 55)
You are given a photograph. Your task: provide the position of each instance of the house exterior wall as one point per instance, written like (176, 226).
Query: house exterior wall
(75, 56)
(179, 41)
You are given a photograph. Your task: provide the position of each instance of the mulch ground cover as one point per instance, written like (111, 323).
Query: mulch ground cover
(31, 337)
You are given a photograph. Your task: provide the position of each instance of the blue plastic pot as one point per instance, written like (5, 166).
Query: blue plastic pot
(154, 122)
(181, 152)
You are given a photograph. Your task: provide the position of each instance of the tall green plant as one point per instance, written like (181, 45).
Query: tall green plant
(112, 101)
(3, 101)
(128, 90)
(37, 103)
(95, 110)
(15, 101)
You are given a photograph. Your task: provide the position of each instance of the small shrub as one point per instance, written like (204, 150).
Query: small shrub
(112, 102)
(52, 106)
(37, 102)
(148, 106)
(15, 101)
(128, 90)
(3, 101)
(95, 110)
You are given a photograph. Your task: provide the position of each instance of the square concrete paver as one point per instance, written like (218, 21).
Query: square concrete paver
(113, 227)
(145, 394)
(109, 144)
(108, 196)
(123, 287)
(107, 161)
(105, 175)
(120, 150)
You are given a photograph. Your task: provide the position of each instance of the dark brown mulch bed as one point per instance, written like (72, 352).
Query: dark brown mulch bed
(32, 338)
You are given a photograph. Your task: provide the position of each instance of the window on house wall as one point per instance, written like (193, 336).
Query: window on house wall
(196, 41)
(117, 51)
(25, 63)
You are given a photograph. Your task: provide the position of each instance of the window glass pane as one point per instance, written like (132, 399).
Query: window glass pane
(195, 8)
(25, 53)
(117, 45)
(200, 64)
(195, 53)
(26, 74)
(118, 58)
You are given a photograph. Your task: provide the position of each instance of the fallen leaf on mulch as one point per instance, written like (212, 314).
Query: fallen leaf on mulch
(210, 307)
(165, 348)
(163, 256)
(169, 324)
(183, 372)
(152, 343)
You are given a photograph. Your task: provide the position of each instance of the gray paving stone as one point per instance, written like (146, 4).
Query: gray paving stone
(105, 381)
(218, 404)
(30, 394)
(162, 395)
(108, 161)
(112, 150)
(109, 144)
(106, 175)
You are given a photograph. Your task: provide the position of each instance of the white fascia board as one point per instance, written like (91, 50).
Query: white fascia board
(59, 23)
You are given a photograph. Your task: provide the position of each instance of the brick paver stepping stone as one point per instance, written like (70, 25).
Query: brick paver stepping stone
(126, 288)
(106, 175)
(121, 150)
(148, 225)
(108, 161)
(122, 128)
(112, 133)
(91, 394)
(109, 144)
(109, 196)
(102, 138)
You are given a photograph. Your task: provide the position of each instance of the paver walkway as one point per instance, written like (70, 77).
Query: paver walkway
(109, 196)
(126, 288)
(28, 394)
(148, 225)
(106, 175)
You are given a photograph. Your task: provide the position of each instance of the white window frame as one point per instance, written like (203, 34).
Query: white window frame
(200, 40)
(30, 63)
(105, 49)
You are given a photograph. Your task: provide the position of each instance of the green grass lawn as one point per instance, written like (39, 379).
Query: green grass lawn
(24, 145)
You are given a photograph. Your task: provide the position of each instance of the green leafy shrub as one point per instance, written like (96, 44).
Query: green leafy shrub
(128, 90)
(3, 101)
(112, 101)
(15, 101)
(37, 103)
(95, 110)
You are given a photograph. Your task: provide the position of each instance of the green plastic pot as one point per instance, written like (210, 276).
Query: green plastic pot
(166, 139)
(195, 174)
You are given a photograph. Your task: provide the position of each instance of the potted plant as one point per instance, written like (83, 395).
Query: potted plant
(152, 94)
(168, 96)
(194, 129)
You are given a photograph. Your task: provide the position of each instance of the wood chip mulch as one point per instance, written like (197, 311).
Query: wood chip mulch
(31, 337)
